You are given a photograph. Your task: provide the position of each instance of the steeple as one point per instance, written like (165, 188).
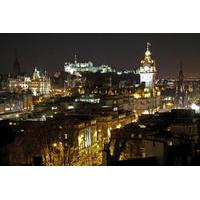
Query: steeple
(181, 100)
(45, 73)
(181, 76)
(16, 65)
(181, 66)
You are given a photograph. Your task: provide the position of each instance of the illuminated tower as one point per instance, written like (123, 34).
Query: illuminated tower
(40, 84)
(16, 65)
(180, 80)
(147, 69)
(36, 74)
(181, 99)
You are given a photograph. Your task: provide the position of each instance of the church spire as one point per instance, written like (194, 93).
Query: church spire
(16, 65)
(181, 66)
(181, 76)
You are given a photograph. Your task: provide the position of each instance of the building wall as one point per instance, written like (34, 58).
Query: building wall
(147, 105)
(184, 128)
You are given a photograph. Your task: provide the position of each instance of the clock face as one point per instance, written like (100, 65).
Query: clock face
(147, 78)
(146, 68)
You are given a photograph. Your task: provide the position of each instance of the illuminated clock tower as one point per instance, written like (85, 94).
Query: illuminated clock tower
(147, 69)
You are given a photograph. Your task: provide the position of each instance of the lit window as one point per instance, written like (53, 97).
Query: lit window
(119, 125)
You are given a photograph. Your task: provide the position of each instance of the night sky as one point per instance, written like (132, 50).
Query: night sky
(51, 51)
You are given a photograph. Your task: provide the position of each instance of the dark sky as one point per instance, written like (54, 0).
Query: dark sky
(50, 51)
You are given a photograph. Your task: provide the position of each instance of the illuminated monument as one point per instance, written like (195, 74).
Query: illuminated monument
(40, 84)
(147, 69)
(147, 95)
(76, 68)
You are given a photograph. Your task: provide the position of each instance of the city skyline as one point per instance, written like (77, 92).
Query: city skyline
(51, 51)
(84, 90)
(91, 113)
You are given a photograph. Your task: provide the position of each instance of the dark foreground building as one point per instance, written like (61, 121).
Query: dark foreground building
(163, 139)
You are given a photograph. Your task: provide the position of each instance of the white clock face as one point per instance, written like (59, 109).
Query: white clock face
(147, 78)
(146, 68)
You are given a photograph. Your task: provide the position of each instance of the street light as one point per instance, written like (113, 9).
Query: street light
(54, 144)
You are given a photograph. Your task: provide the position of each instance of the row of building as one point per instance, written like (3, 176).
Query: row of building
(64, 139)
(170, 138)
(13, 103)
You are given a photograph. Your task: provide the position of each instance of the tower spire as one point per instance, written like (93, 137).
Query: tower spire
(181, 76)
(75, 59)
(181, 66)
(148, 45)
(148, 53)
(16, 65)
